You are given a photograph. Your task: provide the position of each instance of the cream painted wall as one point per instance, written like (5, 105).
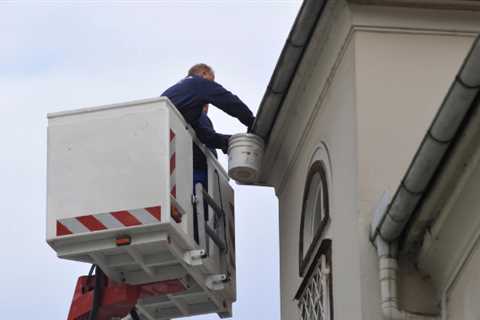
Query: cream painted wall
(463, 300)
(451, 254)
(369, 90)
(401, 80)
(335, 126)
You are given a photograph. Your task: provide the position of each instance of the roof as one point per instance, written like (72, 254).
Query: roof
(287, 66)
(298, 41)
(439, 142)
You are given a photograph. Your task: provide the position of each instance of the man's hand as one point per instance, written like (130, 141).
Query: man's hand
(225, 143)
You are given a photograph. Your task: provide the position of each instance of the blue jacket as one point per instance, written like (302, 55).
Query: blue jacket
(192, 93)
(211, 139)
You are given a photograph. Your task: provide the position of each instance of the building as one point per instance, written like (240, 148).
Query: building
(371, 125)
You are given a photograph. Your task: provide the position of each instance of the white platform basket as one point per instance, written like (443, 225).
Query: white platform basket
(125, 171)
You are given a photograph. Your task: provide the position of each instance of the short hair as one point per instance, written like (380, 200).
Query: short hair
(197, 69)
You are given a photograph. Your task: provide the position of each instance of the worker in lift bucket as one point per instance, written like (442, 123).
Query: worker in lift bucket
(190, 95)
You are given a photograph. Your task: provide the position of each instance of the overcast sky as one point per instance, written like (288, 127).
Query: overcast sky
(60, 55)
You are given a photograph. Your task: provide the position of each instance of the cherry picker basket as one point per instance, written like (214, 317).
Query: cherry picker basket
(120, 195)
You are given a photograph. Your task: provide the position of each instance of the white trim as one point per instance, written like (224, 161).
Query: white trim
(425, 4)
(108, 107)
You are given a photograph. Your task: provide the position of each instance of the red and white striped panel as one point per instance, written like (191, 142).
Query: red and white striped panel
(109, 220)
(173, 164)
(173, 181)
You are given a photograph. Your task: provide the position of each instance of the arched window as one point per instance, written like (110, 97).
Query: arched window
(315, 213)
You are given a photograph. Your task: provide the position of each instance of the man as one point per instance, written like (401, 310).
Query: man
(190, 96)
(198, 89)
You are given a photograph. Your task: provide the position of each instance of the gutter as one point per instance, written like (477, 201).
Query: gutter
(287, 65)
(390, 220)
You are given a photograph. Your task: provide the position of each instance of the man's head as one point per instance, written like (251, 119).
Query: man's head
(205, 108)
(202, 70)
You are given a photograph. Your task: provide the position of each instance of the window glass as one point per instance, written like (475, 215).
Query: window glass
(314, 212)
(319, 208)
(315, 297)
(310, 216)
(315, 301)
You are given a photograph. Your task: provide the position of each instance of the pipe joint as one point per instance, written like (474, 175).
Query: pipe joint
(388, 276)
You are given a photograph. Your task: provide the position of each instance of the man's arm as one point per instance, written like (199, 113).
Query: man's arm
(220, 97)
(208, 136)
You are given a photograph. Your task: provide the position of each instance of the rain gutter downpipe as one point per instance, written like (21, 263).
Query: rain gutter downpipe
(390, 220)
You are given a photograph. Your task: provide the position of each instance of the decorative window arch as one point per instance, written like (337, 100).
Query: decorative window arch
(315, 207)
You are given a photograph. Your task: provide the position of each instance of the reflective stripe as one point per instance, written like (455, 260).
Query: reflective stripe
(109, 221)
(91, 223)
(62, 230)
(173, 183)
(144, 216)
(126, 218)
(173, 164)
(74, 225)
(156, 212)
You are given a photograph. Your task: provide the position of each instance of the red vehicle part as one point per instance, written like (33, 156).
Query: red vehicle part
(117, 299)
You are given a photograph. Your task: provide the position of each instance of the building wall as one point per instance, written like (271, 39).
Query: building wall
(319, 110)
(368, 88)
(451, 250)
(335, 127)
(401, 80)
(465, 292)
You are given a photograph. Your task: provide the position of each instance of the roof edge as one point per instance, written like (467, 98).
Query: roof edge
(287, 65)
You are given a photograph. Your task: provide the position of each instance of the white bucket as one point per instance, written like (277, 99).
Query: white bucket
(245, 152)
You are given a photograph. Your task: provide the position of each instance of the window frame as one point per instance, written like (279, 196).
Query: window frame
(304, 259)
(324, 250)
